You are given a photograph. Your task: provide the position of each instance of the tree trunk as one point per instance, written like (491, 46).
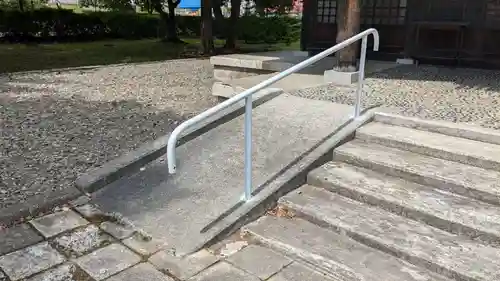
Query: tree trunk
(21, 5)
(219, 17)
(348, 25)
(172, 24)
(168, 18)
(233, 20)
(206, 27)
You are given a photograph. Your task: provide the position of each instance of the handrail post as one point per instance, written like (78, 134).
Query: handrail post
(248, 148)
(361, 76)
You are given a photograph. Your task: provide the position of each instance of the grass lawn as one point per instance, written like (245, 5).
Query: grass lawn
(20, 57)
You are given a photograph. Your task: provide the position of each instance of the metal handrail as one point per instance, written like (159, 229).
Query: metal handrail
(247, 95)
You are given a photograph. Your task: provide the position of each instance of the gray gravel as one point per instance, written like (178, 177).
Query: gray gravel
(56, 125)
(457, 95)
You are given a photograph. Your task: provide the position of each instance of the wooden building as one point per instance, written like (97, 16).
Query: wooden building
(464, 32)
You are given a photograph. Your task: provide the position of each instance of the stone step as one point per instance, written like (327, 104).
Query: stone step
(442, 127)
(293, 82)
(470, 181)
(420, 244)
(337, 256)
(480, 154)
(442, 209)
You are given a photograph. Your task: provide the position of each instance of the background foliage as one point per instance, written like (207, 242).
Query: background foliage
(60, 25)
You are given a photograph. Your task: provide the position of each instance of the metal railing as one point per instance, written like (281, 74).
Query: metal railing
(247, 95)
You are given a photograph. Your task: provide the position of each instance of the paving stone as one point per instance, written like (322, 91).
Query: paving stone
(145, 246)
(82, 241)
(261, 262)
(91, 213)
(65, 272)
(224, 272)
(17, 237)
(29, 261)
(119, 231)
(183, 268)
(141, 272)
(82, 200)
(108, 261)
(59, 222)
(298, 272)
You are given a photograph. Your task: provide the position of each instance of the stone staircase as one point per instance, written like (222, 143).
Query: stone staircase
(405, 200)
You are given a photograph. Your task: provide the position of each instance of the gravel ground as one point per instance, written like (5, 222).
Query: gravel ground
(56, 125)
(457, 95)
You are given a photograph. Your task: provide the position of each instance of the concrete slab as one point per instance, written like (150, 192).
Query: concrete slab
(209, 181)
(298, 272)
(57, 223)
(335, 255)
(479, 154)
(235, 66)
(17, 237)
(442, 209)
(107, 261)
(474, 182)
(183, 268)
(29, 261)
(259, 261)
(224, 272)
(437, 250)
(293, 82)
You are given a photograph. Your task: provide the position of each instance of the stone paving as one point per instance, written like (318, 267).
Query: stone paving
(79, 243)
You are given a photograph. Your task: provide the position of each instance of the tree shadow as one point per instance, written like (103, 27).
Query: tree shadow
(48, 139)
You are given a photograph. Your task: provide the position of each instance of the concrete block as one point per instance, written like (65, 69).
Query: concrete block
(340, 78)
(65, 272)
(183, 268)
(261, 262)
(224, 272)
(145, 246)
(107, 261)
(91, 213)
(141, 272)
(82, 241)
(29, 261)
(17, 237)
(298, 272)
(118, 230)
(406, 61)
(54, 224)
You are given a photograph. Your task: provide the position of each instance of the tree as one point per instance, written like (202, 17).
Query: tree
(168, 18)
(207, 39)
(348, 25)
(233, 21)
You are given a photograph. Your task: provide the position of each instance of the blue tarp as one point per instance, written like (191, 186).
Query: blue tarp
(190, 4)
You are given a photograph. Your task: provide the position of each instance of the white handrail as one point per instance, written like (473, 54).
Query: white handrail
(172, 141)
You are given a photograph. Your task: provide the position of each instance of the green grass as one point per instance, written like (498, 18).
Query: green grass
(21, 57)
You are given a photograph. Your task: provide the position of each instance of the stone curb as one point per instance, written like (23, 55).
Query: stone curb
(134, 160)
(291, 177)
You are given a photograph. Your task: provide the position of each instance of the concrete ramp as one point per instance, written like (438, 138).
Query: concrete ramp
(209, 182)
